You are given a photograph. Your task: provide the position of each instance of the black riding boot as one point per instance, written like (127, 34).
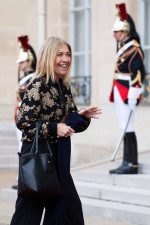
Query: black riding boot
(134, 152)
(132, 166)
(126, 156)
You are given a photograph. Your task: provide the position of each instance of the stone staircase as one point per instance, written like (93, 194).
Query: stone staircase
(8, 146)
(124, 198)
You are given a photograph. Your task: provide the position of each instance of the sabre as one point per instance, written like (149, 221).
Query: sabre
(121, 138)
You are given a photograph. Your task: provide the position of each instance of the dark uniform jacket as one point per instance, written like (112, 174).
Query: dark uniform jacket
(23, 82)
(129, 64)
(49, 104)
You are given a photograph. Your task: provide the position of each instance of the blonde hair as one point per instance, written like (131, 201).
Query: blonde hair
(46, 58)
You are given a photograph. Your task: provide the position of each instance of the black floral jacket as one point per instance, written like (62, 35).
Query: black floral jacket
(44, 102)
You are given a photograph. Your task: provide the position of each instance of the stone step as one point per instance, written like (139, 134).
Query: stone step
(7, 128)
(7, 133)
(8, 149)
(114, 193)
(144, 168)
(133, 214)
(5, 141)
(8, 194)
(135, 181)
(5, 167)
(9, 161)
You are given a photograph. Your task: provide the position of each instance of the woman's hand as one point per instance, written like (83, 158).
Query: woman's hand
(90, 112)
(63, 130)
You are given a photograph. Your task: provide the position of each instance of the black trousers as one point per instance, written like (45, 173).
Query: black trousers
(29, 212)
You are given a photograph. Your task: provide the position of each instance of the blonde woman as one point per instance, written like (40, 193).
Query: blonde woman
(48, 99)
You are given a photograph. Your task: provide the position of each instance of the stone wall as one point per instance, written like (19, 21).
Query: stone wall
(17, 18)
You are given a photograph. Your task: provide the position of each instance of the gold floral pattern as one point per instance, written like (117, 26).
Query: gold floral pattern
(34, 93)
(58, 112)
(46, 100)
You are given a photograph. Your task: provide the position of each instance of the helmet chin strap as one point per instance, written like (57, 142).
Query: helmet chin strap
(121, 37)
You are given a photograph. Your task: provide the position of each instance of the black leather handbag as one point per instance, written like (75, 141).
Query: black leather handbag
(38, 178)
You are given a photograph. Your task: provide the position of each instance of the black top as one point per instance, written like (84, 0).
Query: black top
(49, 104)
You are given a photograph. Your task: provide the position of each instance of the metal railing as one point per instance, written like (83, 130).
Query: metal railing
(146, 89)
(81, 89)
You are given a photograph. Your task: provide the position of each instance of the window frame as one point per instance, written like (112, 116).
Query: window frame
(145, 47)
(86, 53)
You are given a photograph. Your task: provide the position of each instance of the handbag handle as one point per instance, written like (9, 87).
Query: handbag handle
(35, 141)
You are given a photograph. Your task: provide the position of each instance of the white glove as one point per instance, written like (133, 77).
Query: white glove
(132, 103)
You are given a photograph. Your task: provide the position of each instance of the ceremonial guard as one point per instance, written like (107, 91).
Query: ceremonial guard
(26, 68)
(127, 85)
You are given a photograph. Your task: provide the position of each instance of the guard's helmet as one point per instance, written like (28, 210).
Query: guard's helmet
(121, 23)
(124, 22)
(26, 51)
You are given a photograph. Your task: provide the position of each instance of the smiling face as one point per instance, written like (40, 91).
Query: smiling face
(62, 62)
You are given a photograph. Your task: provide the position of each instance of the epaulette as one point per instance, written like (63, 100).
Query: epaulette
(136, 44)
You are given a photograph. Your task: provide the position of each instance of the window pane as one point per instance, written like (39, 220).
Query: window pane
(87, 2)
(147, 24)
(89, 30)
(79, 31)
(78, 3)
(79, 65)
(147, 60)
(89, 65)
(81, 89)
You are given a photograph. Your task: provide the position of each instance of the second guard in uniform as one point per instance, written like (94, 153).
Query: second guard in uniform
(127, 85)
(26, 67)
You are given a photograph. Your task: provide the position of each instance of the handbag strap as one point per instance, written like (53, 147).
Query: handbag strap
(35, 140)
(35, 145)
(38, 126)
(49, 149)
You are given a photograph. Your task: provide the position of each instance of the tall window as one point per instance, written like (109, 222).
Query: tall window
(80, 40)
(144, 22)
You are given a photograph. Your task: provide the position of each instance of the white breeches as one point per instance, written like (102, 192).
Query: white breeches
(19, 136)
(123, 111)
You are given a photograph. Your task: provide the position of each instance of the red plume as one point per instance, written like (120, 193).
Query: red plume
(122, 11)
(24, 42)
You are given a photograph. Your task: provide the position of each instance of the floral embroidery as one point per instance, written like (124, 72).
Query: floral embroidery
(34, 92)
(58, 112)
(47, 100)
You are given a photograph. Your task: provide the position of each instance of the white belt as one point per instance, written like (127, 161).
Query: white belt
(122, 77)
(19, 104)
